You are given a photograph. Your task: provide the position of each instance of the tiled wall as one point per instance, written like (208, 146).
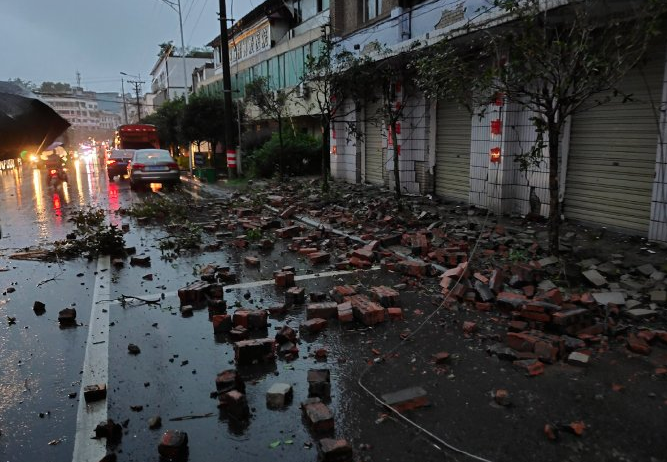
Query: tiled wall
(344, 164)
(413, 140)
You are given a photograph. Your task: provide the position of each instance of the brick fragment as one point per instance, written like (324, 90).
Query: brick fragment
(407, 399)
(317, 258)
(338, 293)
(345, 313)
(251, 261)
(395, 313)
(533, 367)
(222, 323)
(235, 404)
(286, 334)
(319, 383)
(284, 279)
(229, 380)
(95, 392)
(193, 294)
(288, 232)
(363, 254)
(637, 345)
(324, 310)
(173, 445)
(254, 351)
(332, 450)
(318, 416)
(441, 357)
(313, 326)
(67, 317)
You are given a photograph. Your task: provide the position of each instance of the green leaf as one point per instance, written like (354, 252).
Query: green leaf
(275, 444)
(288, 441)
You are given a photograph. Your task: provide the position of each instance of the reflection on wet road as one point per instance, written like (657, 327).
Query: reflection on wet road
(28, 202)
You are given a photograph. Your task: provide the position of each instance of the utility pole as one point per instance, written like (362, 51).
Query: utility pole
(227, 90)
(137, 90)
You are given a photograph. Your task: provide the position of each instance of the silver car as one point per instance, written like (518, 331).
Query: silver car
(153, 166)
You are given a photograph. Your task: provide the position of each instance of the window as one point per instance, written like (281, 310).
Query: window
(373, 9)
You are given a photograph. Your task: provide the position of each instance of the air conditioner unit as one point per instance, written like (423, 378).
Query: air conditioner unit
(302, 90)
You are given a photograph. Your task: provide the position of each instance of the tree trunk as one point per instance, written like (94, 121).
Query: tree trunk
(281, 155)
(397, 176)
(326, 146)
(554, 204)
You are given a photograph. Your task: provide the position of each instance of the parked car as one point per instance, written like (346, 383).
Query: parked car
(153, 166)
(118, 161)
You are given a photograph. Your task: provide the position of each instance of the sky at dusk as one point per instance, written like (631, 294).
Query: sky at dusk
(50, 40)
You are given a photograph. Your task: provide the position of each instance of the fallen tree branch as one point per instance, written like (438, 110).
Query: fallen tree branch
(191, 417)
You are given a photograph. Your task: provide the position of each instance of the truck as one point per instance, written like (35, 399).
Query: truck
(137, 136)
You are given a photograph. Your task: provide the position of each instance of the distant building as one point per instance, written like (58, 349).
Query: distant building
(167, 77)
(82, 110)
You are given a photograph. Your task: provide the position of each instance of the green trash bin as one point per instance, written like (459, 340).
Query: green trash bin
(209, 175)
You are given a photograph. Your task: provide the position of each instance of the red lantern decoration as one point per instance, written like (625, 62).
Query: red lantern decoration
(495, 155)
(496, 127)
(498, 99)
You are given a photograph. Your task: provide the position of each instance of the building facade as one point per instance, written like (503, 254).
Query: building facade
(613, 158)
(168, 81)
(273, 41)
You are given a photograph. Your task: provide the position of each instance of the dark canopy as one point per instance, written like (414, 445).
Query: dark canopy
(26, 122)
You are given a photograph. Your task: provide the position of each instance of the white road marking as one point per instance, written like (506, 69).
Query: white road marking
(95, 370)
(265, 282)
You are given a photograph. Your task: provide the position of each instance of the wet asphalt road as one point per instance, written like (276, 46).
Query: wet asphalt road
(42, 364)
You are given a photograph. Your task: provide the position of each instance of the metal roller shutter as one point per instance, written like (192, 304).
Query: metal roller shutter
(374, 146)
(452, 152)
(612, 157)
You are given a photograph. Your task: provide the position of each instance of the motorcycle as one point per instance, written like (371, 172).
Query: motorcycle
(56, 175)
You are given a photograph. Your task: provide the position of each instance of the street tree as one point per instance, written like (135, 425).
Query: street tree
(550, 59)
(54, 88)
(203, 120)
(273, 104)
(390, 76)
(26, 84)
(332, 75)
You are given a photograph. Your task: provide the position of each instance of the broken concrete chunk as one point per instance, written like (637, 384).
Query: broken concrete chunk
(640, 313)
(133, 349)
(594, 278)
(279, 395)
(578, 359)
(646, 269)
(605, 298)
(155, 422)
(658, 296)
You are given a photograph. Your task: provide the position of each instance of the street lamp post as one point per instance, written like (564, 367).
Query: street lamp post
(122, 89)
(176, 6)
